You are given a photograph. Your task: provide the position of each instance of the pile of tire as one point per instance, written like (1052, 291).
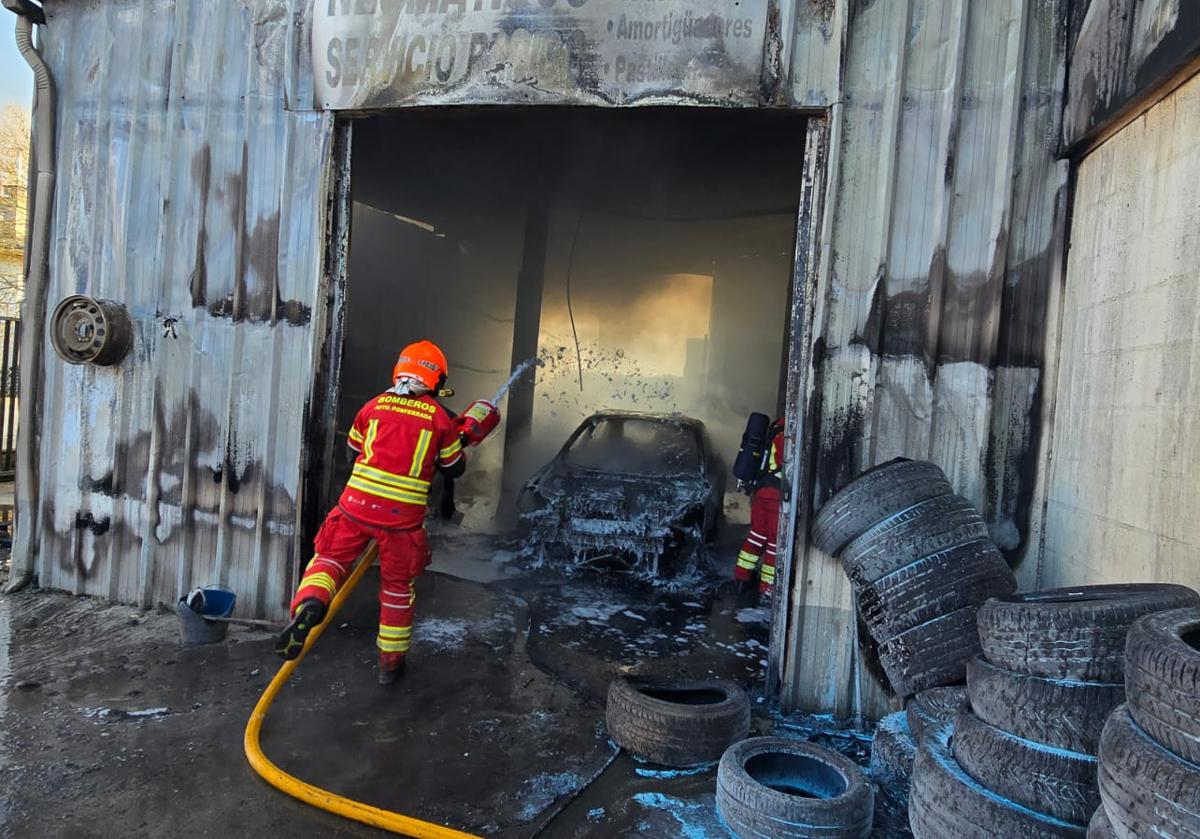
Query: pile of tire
(1150, 748)
(766, 786)
(920, 562)
(1021, 758)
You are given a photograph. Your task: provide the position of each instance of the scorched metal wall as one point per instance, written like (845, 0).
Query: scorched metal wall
(940, 257)
(187, 193)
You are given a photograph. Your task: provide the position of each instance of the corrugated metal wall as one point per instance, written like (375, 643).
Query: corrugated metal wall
(189, 194)
(941, 250)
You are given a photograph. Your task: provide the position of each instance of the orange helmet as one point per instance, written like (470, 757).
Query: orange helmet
(424, 362)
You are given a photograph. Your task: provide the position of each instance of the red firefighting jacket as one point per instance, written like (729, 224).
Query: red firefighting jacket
(401, 441)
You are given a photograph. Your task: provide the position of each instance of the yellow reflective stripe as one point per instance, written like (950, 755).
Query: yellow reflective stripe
(450, 450)
(369, 440)
(747, 560)
(320, 580)
(393, 646)
(395, 631)
(418, 461)
(390, 493)
(370, 473)
(767, 574)
(356, 435)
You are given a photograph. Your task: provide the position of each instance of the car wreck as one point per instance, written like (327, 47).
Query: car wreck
(632, 492)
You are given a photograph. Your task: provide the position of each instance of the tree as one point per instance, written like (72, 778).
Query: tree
(14, 173)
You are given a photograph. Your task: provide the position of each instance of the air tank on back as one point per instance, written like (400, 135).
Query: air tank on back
(750, 456)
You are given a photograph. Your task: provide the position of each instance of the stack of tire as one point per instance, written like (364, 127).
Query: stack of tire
(933, 709)
(1150, 749)
(1021, 758)
(921, 563)
(893, 751)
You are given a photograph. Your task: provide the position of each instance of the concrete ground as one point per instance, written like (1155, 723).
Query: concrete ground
(113, 728)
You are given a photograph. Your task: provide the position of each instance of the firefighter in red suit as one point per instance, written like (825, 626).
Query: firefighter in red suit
(759, 551)
(402, 438)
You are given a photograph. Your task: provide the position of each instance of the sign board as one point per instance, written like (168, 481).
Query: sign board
(386, 53)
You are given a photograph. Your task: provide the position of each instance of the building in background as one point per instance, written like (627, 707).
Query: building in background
(14, 174)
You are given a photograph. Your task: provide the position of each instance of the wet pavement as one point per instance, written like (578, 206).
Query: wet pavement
(113, 728)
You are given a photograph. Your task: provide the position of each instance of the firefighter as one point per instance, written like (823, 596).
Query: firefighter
(759, 551)
(402, 438)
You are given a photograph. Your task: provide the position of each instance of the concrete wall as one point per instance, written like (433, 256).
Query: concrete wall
(1123, 484)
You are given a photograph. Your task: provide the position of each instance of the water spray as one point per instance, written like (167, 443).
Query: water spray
(522, 368)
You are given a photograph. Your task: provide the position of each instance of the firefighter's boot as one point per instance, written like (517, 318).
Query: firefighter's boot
(308, 617)
(391, 668)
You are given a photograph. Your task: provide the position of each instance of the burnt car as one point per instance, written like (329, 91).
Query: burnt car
(628, 491)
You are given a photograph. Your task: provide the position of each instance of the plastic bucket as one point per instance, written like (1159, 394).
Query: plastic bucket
(194, 627)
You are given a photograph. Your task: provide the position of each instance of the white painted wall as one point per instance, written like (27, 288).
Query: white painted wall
(1123, 495)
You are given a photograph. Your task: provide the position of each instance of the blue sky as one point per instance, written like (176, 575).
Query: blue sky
(16, 81)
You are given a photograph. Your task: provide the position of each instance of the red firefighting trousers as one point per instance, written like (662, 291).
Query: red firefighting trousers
(760, 543)
(403, 555)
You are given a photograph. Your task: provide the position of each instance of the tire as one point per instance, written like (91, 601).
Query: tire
(1100, 827)
(935, 708)
(1147, 790)
(1072, 633)
(677, 724)
(946, 803)
(833, 799)
(933, 586)
(1058, 712)
(901, 539)
(872, 497)
(1162, 674)
(893, 751)
(931, 655)
(1056, 782)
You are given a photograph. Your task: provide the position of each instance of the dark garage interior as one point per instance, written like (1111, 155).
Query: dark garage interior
(644, 256)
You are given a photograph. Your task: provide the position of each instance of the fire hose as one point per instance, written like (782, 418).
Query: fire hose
(306, 792)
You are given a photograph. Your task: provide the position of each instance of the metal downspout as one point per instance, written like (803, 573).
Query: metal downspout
(33, 310)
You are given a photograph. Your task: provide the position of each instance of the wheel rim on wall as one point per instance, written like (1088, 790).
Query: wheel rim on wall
(87, 331)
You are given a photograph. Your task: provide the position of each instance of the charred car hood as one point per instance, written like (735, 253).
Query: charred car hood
(586, 493)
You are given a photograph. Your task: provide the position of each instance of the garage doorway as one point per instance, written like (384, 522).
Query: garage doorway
(643, 255)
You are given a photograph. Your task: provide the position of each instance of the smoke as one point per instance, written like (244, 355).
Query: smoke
(679, 282)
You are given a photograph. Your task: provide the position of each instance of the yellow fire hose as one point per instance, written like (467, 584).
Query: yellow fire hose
(309, 794)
